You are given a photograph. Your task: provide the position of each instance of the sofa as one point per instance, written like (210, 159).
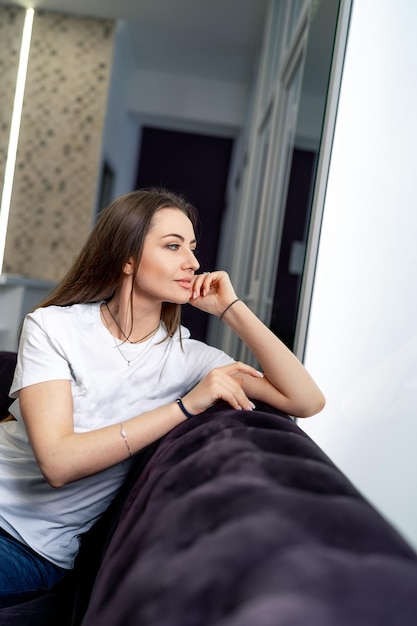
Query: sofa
(235, 518)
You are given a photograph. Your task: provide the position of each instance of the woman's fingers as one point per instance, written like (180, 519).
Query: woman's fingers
(222, 383)
(229, 388)
(212, 282)
(201, 285)
(240, 368)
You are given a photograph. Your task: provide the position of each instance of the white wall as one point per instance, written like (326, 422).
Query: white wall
(188, 101)
(362, 335)
(175, 101)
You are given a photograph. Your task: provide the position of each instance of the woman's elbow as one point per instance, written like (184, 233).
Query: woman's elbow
(311, 407)
(54, 481)
(54, 476)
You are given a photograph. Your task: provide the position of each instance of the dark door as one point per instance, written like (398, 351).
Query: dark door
(296, 222)
(196, 166)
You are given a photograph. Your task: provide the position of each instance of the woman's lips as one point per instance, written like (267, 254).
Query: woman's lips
(186, 284)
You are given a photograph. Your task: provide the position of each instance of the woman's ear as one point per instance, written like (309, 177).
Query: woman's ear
(129, 267)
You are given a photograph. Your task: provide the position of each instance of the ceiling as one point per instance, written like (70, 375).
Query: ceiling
(216, 39)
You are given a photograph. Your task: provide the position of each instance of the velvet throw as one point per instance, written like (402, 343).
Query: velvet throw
(240, 519)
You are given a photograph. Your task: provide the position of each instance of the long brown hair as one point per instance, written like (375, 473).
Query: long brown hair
(118, 236)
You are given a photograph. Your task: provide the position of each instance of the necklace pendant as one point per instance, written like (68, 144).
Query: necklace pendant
(128, 363)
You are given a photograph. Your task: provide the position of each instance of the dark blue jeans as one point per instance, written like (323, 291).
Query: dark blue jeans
(24, 573)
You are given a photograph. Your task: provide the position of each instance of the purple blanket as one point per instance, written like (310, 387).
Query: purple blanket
(239, 519)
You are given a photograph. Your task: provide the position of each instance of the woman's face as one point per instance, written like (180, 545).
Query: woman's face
(168, 262)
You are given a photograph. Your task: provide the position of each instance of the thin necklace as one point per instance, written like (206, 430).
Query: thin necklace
(128, 361)
(125, 336)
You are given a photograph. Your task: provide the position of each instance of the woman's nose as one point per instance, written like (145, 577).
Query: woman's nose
(191, 261)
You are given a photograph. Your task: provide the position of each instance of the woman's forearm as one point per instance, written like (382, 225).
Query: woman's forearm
(94, 451)
(65, 456)
(297, 393)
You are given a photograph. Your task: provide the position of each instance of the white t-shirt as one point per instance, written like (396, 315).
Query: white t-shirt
(72, 343)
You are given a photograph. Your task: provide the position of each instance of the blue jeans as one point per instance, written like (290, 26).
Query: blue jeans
(24, 573)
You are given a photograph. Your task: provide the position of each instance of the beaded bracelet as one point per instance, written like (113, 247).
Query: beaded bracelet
(183, 409)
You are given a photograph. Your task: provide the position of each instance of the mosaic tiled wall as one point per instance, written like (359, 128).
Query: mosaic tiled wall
(60, 143)
(11, 25)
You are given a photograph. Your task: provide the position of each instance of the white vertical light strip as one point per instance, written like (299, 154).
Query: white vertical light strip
(14, 130)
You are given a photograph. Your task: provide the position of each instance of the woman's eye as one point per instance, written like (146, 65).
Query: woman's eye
(177, 246)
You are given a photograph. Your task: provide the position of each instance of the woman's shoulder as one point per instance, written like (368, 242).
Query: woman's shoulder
(197, 357)
(63, 314)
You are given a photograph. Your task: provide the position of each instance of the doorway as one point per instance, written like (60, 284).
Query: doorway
(197, 167)
(293, 242)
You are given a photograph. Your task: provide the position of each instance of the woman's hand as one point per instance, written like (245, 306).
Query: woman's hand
(222, 383)
(286, 384)
(212, 292)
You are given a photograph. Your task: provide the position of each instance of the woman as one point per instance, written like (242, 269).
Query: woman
(104, 369)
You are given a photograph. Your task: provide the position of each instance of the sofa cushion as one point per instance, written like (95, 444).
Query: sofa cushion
(240, 519)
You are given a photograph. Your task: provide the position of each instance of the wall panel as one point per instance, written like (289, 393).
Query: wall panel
(60, 143)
